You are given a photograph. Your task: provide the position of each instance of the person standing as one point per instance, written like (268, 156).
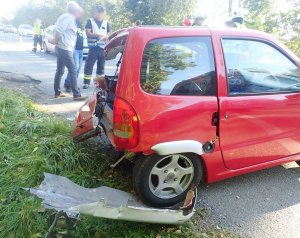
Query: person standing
(187, 21)
(65, 33)
(97, 30)
(77, 55)
(238, 20)
(38, 35)
(199, 20)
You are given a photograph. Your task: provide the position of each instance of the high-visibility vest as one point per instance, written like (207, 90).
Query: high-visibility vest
(94, 41)
(37, 29)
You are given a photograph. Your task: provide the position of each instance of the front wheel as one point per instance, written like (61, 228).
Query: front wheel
(163, 181)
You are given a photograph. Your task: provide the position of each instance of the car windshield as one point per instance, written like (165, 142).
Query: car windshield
(257, 67)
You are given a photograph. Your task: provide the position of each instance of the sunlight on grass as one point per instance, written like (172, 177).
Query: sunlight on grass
(33, 142)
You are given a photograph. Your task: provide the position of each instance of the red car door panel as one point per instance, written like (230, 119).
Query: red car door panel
(259, 119)
(257, 129)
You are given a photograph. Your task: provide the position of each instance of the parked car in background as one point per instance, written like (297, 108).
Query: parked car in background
(25, 30)
(1, 27)
(50, 48)
(10, 29)
(48, 34)
(195, 104)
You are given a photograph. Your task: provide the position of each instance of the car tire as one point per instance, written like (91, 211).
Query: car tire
(147, 184)
(298, 162)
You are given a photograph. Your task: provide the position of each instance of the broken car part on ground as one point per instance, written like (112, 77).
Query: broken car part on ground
(61, 194)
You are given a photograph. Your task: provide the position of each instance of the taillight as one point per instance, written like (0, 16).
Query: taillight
(126, 125)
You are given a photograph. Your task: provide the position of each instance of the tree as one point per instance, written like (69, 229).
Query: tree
(48, 12)
(154, 12)
(290, 23)
(262, 15)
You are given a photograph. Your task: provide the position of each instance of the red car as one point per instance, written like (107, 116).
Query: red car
(195, 104)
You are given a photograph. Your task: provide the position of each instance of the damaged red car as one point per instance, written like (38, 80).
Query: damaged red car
(195, 104)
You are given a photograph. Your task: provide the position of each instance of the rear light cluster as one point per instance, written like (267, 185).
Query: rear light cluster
(126, 125)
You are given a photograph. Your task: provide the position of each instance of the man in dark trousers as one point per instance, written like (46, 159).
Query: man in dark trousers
(97, 30)
(65, 35)
(77, 55)
(38, 34)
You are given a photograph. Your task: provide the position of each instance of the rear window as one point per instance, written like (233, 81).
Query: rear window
(179, 66)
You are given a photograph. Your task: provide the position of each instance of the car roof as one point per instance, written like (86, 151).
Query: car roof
(185, 31)
(213, 30)
(179, 31)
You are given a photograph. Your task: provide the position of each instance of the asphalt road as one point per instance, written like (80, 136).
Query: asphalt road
(265, 204)
(16, 56)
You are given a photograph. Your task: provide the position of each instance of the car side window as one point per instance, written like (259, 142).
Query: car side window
(255, 67)
(179, 66)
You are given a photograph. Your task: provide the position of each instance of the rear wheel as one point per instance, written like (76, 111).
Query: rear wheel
(164, 180)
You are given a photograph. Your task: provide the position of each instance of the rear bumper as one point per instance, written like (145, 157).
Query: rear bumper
(86, 124)
(61, 194)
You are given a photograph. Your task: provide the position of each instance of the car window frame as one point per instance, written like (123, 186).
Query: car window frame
(265, 41)
(172, 37)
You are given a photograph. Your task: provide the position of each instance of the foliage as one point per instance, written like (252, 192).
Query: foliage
(33, 142)
(48, 11)
(262, 15)
(119, 16)
(153, 12)
(120, 13)
(290, 21)
(162, 61)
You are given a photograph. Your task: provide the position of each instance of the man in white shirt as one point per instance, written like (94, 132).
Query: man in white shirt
(65, 34)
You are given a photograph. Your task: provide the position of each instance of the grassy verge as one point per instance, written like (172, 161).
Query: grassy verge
(32, 142)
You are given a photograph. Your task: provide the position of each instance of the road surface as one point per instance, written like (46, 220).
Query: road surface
(265, 204)
(16, 56)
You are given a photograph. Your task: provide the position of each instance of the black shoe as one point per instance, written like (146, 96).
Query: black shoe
(79, 98)
(67, 88)
(85, 86)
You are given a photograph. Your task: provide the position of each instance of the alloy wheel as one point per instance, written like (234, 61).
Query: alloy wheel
(171, 176)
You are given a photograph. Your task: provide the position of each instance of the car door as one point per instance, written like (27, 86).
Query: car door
(259, 119)
(176, 99)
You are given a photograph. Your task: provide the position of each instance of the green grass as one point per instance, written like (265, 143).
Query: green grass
(33, 142)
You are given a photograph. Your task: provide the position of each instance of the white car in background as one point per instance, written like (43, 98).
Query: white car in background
(50, 48)
(25, 30)
(10, 29)
(48, 34)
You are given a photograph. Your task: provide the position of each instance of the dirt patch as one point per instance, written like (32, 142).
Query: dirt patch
(62, 107)
(23, 83)
(17, 77)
